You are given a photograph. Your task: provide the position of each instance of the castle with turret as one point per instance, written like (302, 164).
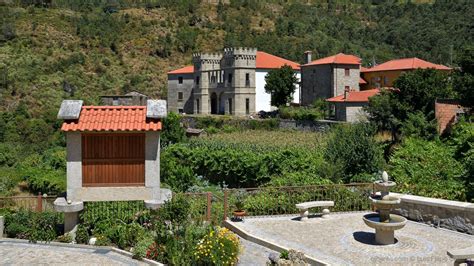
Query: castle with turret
(232, 82)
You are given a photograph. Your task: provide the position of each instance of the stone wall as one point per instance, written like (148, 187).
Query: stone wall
(316, 82)
(453, 215)
(341, 80)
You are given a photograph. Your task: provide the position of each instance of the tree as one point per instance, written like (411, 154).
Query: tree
(464, 78)
(416, 93)
(354, 149)
(280, 83)
(418, 90)
(173, 132)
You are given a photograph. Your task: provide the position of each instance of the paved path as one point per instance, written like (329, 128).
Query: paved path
(253, 254)
(344, 239)
(12, 253)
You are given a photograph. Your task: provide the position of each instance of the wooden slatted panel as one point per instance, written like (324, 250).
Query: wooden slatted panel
(113, 160)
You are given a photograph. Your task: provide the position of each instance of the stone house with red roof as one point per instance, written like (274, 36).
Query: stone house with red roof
(329, 77)
(349, 106)
(232, 82)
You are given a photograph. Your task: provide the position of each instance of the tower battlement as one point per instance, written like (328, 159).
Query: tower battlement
(240, 51)
(206, 56)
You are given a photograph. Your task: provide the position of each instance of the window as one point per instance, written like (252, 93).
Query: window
(213, 79)
(180, 80)
(180, 111)
(385, 80)
(180, 96)
(347, 88)
(197, 80)
(247, 79)
(247, 106)
(197, 106)
(230, 106)
(230, 78)
(115, 101)
(347, 72)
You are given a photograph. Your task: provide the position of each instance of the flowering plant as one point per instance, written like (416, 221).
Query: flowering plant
(219, 247)
(154, 251)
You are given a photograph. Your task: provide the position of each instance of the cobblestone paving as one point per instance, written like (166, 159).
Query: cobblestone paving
(37, 254)
(253, 254)
(344, 239)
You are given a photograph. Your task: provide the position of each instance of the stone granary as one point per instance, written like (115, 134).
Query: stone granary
(230, 83)
(113, 154)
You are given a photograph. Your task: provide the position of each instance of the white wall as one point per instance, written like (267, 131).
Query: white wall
(262, 99)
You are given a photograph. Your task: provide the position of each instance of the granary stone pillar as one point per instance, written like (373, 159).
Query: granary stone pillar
(71, 205)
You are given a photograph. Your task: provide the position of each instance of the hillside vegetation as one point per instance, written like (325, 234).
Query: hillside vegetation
(55, 50)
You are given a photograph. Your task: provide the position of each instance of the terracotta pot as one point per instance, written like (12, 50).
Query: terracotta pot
(239, 213)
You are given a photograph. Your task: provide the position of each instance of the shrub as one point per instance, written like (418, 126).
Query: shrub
(417, 125)
(66, 238)
(100, 216)
(354, 149)
(301, 113)
(173, 131)
(176, 210)
(219, 247)
(427, 168)
(32, 225)
(141, 248)
(125, 235)
(82, 235)
(102, 241)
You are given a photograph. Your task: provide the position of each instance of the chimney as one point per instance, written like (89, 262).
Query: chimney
(307, 57)
(346, 92)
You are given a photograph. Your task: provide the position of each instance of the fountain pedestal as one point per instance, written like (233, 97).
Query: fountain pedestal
(383, 237)
(383, 222)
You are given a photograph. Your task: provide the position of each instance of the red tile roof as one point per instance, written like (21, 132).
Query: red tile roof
(405, 64)
(269, 61)
(362, 81)
(183, 70)
(112, 118)
(264, 61)
(337, 59)
(355, 96)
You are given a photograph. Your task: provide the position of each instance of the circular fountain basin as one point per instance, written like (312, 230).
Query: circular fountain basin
(373, 220)
(385, 201)
(384, 185)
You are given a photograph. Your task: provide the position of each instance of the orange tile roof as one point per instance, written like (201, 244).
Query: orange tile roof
(362, 81)
(355, 96)
(269, 61)
(112, 118)
(264, 61)
(339, 58)
(404, 64)
(183, 70)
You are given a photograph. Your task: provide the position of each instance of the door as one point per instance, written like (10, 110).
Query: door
(113, 160)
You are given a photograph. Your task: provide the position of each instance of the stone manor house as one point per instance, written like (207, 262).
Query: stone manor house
(232, 82)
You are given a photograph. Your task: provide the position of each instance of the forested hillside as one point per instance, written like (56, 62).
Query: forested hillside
(56, 49)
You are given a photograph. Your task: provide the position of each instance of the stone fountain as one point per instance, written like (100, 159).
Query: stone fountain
(383, 222)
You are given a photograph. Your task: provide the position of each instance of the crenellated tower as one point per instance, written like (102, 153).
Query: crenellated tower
(206, 65)
(238, 65)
